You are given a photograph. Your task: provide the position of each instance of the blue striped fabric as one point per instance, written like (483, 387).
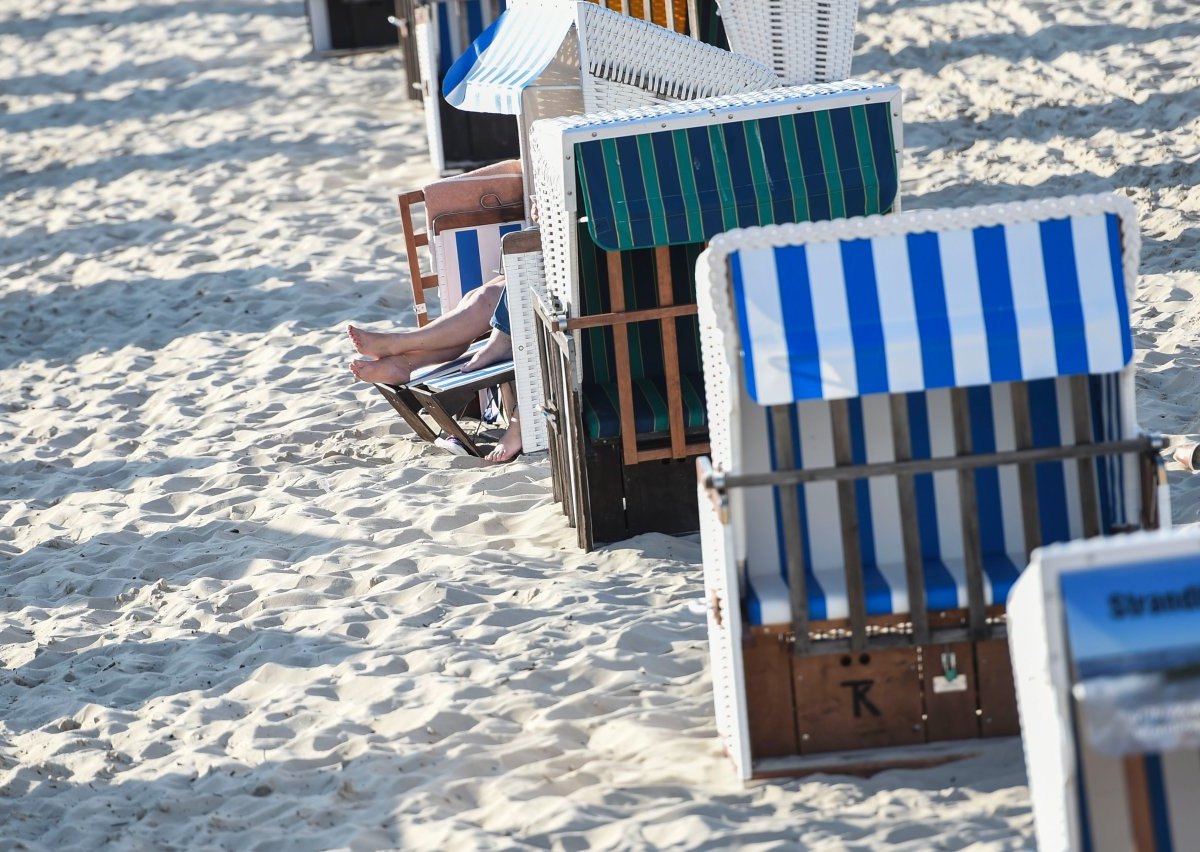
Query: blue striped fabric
(457, 378)
(918, 311)
(508, 56)
(938, 503)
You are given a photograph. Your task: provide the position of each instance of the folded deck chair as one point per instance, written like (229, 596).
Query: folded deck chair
(802, 41)
(627, 202)
(901, 409)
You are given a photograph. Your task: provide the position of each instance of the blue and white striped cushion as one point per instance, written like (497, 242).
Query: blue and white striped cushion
(938, 503)
(468, 258)
(919, 311)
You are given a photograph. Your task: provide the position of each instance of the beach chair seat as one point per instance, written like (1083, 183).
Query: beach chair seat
(627, 202)
(802, 41)
(901, 409)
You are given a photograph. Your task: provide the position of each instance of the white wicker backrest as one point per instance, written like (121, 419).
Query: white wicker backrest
(665, 66)
(803, 41)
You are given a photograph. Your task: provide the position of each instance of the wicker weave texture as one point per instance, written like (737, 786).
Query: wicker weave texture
(803, 41)
(525, 279)
(669, 66)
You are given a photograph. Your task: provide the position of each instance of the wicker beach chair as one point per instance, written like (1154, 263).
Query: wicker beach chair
(1105, 640)
(441, 31)
(627, 201)
(802, 41)
(545, 58)
(901, 409)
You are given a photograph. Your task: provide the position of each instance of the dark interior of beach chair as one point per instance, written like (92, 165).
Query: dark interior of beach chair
(444, 407)
(870, 679)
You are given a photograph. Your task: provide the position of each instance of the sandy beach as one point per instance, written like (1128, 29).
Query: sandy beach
(244, 609)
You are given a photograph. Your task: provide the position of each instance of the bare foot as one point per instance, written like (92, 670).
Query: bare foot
(392, 370)
(377, 344)
(508, 447)
(497, 348)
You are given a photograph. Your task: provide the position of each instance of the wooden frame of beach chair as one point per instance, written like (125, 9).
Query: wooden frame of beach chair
(348, 26)
(622, 376)
(802, 41)
(902, 408)
(1090, 621)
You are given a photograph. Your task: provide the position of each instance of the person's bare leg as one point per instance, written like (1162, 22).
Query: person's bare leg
(467, 321)
(509, 445)
(398, 369)
(497, 348)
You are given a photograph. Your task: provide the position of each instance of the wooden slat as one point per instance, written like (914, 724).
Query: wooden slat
(843, 456)
(969, 509)
(616, 291)
(626, 317)
(1088, 496)
(1141, 813)
(413, 241)
(1027, 476)
(660, 453)
(910, 527)
(670, 350)
(793, 542)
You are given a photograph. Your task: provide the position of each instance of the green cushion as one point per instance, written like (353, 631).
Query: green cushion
(601, 406)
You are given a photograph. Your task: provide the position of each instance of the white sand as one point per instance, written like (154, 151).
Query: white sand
(244, 610)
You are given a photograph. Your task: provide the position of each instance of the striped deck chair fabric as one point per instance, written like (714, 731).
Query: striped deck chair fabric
(896, 315)
(467, 258)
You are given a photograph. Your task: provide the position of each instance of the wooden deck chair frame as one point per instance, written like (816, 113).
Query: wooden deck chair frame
(641, 482)
(792, 694)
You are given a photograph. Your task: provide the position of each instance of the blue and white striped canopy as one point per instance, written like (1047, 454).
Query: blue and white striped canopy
(507, 57)
(922, 310)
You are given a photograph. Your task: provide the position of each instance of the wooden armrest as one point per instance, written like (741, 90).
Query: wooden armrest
(522, 242)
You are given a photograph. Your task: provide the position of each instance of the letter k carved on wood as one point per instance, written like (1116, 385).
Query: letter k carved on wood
(860, 689)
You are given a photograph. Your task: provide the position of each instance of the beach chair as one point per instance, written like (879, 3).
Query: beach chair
(901, 409)
(345, 26)
(461, 251)
(627, 201)
(550, 59)
(442, 30)
(1106, 651)
(802, 41)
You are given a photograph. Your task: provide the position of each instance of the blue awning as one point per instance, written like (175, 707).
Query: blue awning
(921, 310)
(507, 57)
